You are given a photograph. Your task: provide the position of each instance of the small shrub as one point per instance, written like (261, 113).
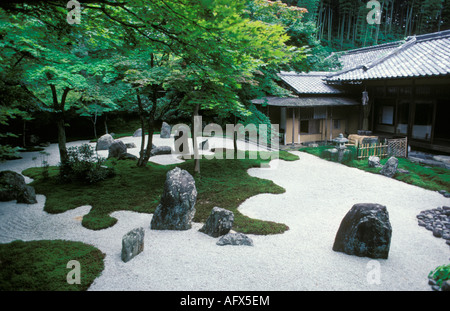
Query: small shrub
(84, 165)
(440, 274)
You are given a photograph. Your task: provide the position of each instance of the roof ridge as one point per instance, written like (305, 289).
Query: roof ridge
(373, 47)
(411, 41)
(433, 35)
(309, 74)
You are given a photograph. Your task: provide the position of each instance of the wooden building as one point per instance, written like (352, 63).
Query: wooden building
(319, 112)
(408, 88)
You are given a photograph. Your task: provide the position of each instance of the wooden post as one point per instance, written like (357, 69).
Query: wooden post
(293, 126)
(326, 125)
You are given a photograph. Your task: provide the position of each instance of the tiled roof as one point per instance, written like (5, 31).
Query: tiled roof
(421, 56)
(358, 57)
(306, 101)
(308, 83)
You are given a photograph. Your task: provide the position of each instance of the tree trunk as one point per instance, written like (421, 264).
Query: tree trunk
(235, 139)
(59, 109)
(106, 125)
(142, 118)
(61, 138)
(24, 133)
(194, 141)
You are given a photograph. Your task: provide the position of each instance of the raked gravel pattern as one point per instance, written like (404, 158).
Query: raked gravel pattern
(318, 195)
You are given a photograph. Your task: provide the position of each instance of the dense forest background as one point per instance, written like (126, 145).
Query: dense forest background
(342, 24)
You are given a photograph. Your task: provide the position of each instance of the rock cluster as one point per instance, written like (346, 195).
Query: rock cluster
(445, 286)
(104, 142)
(118, 150)
(436, 220)
(13, 187)
(389, 169)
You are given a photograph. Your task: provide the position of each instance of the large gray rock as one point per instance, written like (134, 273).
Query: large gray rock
(235, 239)
(13, 187)
(104, 142)
(177, 206)
(117, 149)
(219, 222)
(390, 168)
(132, 244)
(138, 133)
(165, 130)
(160, 150)
(365, 231)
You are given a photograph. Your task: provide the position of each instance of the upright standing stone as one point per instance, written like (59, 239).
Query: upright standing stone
(390, 168)
(104, 142)
(165, 130)
(219, 222)
(365, 231)
(137, 133)
(132, 244)
(177, 206)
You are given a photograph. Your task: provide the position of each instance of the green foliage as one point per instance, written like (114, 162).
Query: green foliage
(223, 183)
(84, 166)
(440, 274)
(42, 265)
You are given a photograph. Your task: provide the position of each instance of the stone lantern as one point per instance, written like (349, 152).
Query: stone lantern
(341, 147)
(340, 142)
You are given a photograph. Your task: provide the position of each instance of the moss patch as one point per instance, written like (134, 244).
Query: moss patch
(42, 265)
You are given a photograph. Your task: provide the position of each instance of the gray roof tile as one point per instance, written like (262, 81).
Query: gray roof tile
(306, 101)
(420, 56)
(308, 83)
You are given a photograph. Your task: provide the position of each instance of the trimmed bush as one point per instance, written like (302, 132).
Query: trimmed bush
(84, 165)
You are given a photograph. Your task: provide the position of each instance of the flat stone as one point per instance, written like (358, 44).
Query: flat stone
(235, 239)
